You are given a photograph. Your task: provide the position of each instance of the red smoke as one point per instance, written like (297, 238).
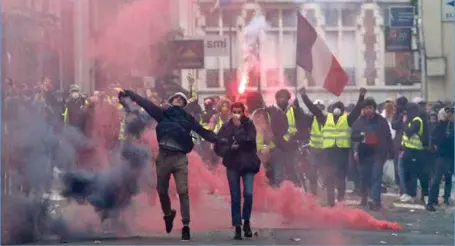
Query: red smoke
(129, 39)
(294, 209)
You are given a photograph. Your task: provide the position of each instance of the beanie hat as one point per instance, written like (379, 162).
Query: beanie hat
(369, 101)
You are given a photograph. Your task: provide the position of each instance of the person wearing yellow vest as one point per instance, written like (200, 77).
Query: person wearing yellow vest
(336, 142)
(372, 146)
(223, 115)
(74, 112)
(204, 148)
(317, 152)
(413, 156)
(284, 122)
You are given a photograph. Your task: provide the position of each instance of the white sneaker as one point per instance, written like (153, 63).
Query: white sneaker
(402, 197)
(407, 198)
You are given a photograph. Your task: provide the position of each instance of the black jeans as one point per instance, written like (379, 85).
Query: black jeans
(414, 168)
(317, 159)
(336, 171)
(444, 166)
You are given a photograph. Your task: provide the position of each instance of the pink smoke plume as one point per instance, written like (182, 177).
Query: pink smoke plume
(131, 37)
(294, 209)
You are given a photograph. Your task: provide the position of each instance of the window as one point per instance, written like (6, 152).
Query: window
(288, 53)
(229, 18)
(270, 45)
(212, 78)
(289, 18)
(348, 52)
(272, 17)
(212, 19)
(290, 77)
(229, 76)
(310, 15)
(348, 17)
(331, 16)
(401, 71)
(389, 59)
(332, 41)
(272, 77)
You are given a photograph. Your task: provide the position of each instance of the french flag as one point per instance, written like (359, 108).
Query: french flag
(315, 57)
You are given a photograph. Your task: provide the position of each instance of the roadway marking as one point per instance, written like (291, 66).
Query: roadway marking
(409, 205)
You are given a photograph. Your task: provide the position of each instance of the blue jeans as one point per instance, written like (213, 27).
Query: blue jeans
(234, 188)
(371, 169)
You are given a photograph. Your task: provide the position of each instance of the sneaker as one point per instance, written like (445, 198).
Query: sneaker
(238, 233)
(407, 198)
(186, 236)
(169, 221)
(447, 203)
(247, 229)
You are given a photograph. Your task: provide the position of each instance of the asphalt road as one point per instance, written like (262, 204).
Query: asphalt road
(419, 228)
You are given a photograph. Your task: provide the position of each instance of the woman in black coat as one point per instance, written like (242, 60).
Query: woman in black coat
(239, 155)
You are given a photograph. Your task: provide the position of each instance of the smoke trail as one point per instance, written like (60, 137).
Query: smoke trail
(251, 39)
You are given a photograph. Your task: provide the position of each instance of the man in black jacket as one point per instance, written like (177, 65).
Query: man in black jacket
(372, 145)
(443, 140)
(175, 141)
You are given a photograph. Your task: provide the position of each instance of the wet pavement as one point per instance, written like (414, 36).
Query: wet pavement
(420, 227)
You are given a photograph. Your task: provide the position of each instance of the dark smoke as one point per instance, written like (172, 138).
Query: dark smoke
(111, 190)
(38, 148)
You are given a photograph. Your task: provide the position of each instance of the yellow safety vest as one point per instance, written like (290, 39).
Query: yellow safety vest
(260, 139)
(414, 142)
(337, 134)
(218, 124)
(316, 134)
(121, 135)
(292, 129)
(65, 113)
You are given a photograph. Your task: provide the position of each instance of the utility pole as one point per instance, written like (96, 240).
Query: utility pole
(423, 68)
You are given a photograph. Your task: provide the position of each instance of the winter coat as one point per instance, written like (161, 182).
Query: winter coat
(380, 127)
(174, 127)
(244, 159)
(443, 138)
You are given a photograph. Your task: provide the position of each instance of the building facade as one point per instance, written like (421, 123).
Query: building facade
(353, 29)
(31, 40)
(438, 30)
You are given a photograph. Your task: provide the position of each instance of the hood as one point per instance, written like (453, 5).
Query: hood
(169, 100)
(221, 102)
(339, 105)
(412, 110)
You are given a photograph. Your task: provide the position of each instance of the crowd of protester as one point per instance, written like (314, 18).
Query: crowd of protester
(316, 149)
